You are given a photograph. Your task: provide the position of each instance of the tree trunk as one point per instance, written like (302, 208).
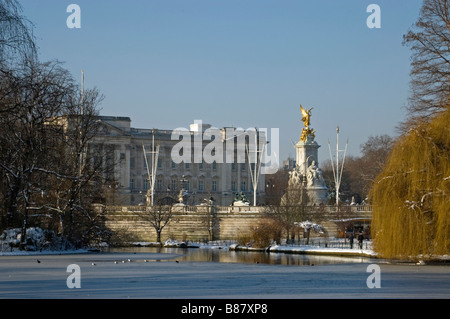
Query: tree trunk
(307, 236)
(158, 235)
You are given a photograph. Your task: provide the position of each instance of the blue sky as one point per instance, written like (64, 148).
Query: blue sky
(243, 63)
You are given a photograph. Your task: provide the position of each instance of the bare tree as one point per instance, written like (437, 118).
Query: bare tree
(17, 42)
(83, 166)
(208, 217)
(429, 40)
(35, 94)
(375, 153)
(159, 216)
(276, 185)
(291, 209)
(47, 124)
(360, 172)
(46, 161)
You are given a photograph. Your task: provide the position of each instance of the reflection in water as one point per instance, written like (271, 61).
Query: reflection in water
(227, 256)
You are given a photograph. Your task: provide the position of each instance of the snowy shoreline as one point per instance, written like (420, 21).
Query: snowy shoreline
(311, 250)
(170, 243)
(289, 249)
(292, 249)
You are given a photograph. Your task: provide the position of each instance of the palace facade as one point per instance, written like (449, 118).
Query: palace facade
(227, 169)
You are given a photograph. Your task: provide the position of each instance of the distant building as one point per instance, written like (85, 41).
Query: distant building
(289, 164)
(202, 180)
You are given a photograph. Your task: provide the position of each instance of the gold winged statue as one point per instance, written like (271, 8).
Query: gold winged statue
(306, 116)
(306, 131)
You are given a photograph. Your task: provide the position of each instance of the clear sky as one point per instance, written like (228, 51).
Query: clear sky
(241, 63)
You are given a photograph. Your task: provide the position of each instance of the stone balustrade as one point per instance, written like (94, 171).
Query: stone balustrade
(195, 223)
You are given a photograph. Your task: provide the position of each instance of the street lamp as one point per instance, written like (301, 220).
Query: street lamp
(183, 181)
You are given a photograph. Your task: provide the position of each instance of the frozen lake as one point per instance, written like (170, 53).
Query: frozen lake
(171, 274)
(249, 257)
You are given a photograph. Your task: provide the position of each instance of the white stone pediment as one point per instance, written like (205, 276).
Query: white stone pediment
(110, 130)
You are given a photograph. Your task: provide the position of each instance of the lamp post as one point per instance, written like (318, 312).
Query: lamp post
(183, 181)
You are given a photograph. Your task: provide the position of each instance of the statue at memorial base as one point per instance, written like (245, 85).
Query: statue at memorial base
(240, 200)
(314, 176)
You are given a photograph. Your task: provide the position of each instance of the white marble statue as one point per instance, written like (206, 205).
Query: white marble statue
(294, 177)
(314, 175)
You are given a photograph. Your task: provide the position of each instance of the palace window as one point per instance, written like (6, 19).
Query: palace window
(173, 185)
(146, 184)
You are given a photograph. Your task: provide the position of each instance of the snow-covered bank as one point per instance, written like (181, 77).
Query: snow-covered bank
(306, 249)
(293, 249)
(37, 242)
(341, 249)
(322, 251)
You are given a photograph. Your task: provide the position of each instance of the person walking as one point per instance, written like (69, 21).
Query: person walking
(351, 240)
(360, 240)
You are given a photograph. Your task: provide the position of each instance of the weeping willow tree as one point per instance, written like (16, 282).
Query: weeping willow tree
(411, 196)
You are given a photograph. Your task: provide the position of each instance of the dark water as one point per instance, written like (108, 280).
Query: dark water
(227, 256)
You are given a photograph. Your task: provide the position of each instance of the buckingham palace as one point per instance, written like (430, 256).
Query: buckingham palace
(228, 171)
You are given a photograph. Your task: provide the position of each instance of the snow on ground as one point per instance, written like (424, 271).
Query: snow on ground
(304, 249)
(37, 244)
(36, 241)
(323, 250)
